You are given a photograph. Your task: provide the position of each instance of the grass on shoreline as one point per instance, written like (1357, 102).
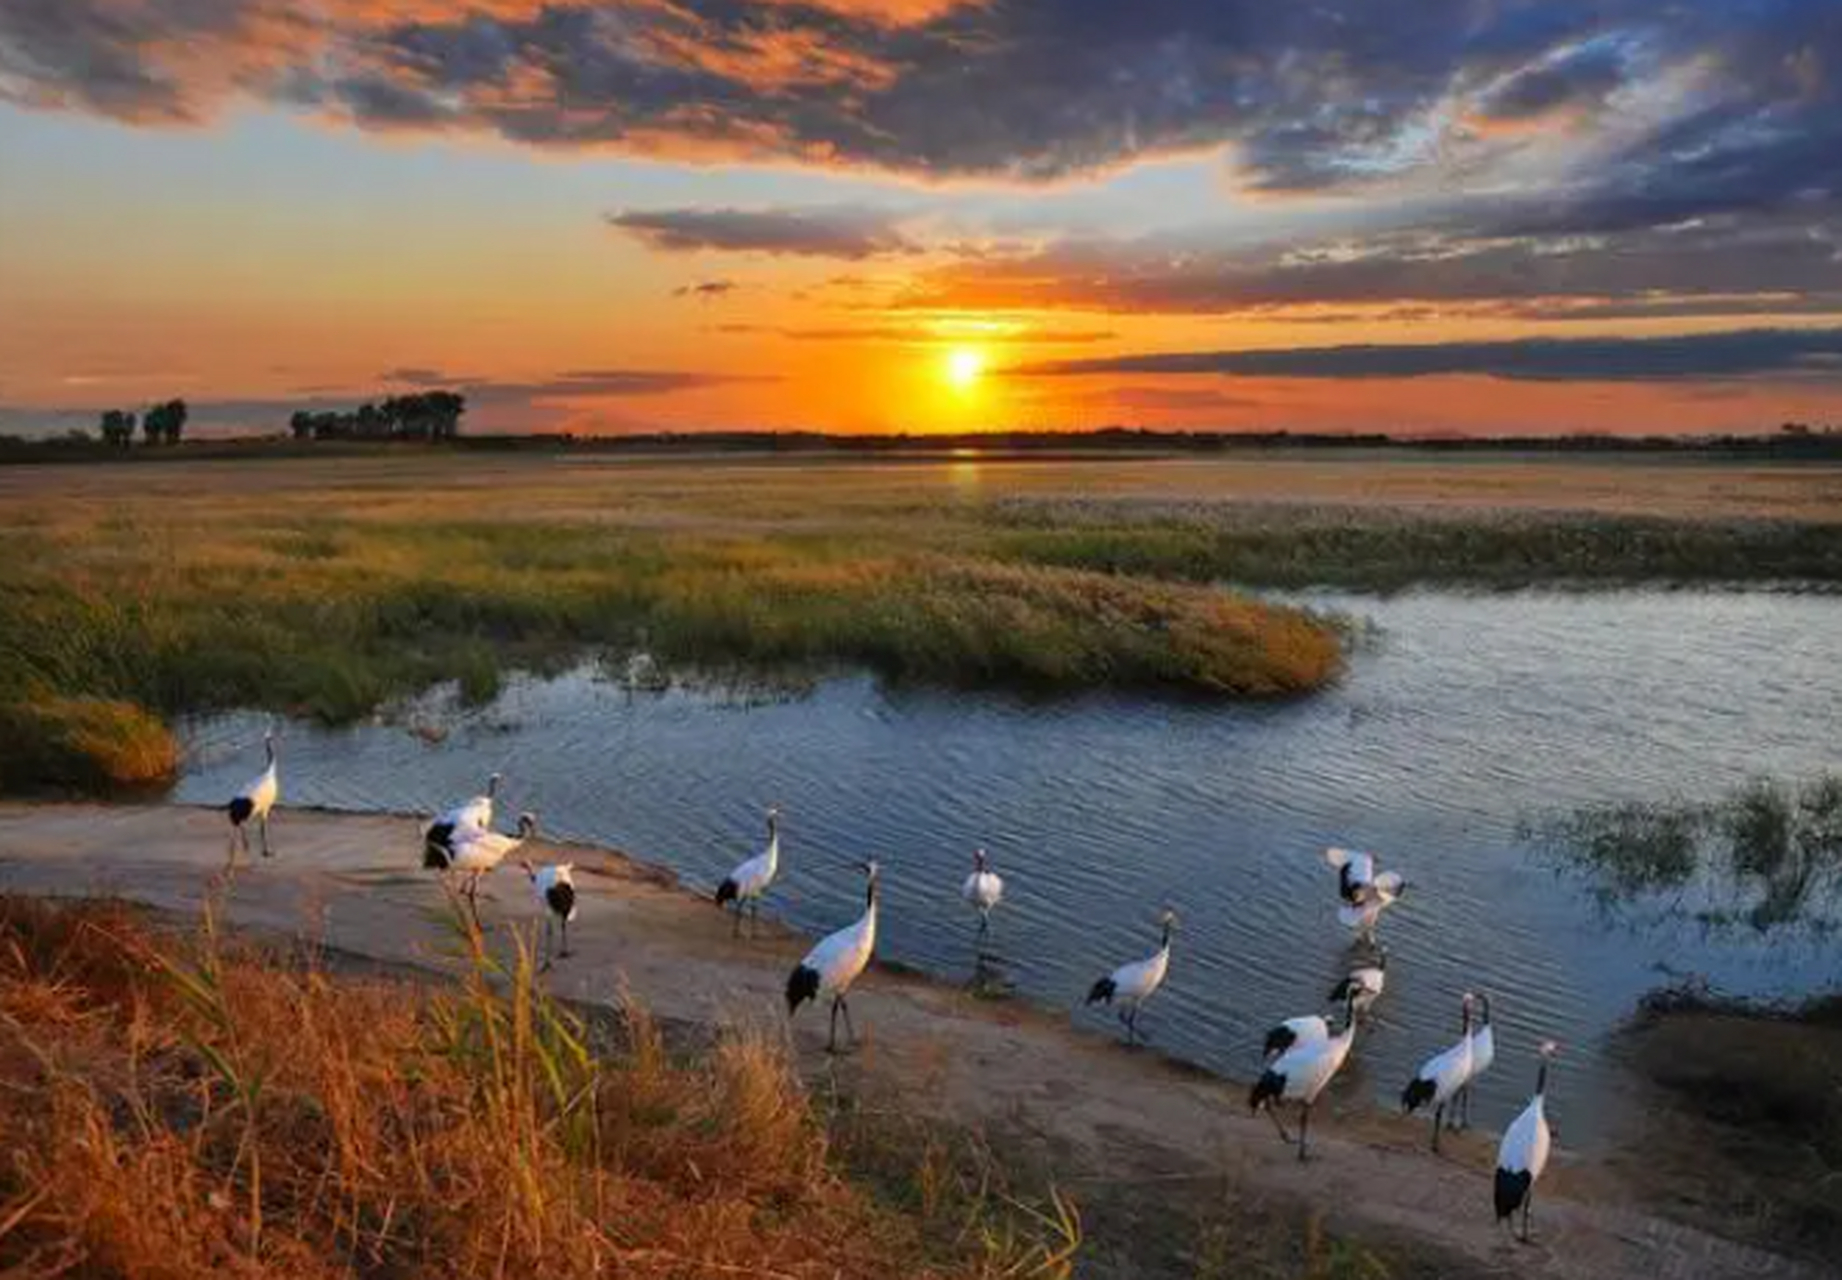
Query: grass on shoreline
(182, 1104)
(172, 1109)
(1750, 1133)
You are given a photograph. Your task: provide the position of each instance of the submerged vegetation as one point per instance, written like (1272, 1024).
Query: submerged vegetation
(1766, 854)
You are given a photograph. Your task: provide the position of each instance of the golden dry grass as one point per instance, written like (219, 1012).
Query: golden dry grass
(179, 1109)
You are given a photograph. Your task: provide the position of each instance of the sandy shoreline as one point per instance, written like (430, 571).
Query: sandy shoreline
(350, 882)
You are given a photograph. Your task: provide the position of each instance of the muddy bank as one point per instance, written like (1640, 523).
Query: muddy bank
(1113, 1116)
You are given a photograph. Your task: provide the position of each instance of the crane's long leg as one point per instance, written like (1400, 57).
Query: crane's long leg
(1527, 1202)
(735, 926)
(1273, 1113)
(1438, 1119)
(1131, 1017)
(849, 1029)
(1304, 1128)
(754, 919)
(545, 966)
(266, 852)
(831, 1044)
(565, 938)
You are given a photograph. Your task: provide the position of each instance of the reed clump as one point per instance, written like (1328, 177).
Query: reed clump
(341, 602)
(176, 1108)
(54, 743)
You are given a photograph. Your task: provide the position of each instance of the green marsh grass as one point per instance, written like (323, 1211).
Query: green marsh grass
(329, 588)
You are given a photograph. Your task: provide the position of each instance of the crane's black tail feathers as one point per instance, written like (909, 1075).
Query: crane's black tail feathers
(1512, 1190)
(240, 810)
(561, 898)
(1417, 1094)
(1279, 1039)
(725, 892)
(1269, 1086)
(1102, 992)
(802, 985)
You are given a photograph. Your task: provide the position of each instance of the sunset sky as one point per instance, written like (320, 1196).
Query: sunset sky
(1424, 216)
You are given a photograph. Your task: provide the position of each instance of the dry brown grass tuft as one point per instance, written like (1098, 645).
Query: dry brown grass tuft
(175, 1108)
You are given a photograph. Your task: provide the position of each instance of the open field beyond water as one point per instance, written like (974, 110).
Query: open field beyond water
(326, 587)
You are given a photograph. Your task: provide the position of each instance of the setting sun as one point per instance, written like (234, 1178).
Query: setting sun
(964, 365)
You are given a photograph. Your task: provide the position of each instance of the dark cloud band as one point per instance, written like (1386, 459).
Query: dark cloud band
(1750, 353)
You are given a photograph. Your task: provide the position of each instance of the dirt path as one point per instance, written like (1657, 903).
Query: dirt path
(348, 882)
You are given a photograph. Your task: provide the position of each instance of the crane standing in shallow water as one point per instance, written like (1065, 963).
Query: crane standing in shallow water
(983, 889)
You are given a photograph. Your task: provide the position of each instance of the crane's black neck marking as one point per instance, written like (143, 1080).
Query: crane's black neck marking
(1484, 1018)
(869, 895)
(1166, 942)
(1541, 1079)
(269, 746)
(492, 787)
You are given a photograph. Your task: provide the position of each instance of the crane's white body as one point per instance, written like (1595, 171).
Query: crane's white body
(1441, 1076)
(835, 964)
(554, 887)
(473, 815)
(1523, 1153)
(1363, 986)
(544, 883)
(1363, 910)
(1309, 1029)
(983, 889)
(464, 819)
(1129, 986)
(1300, 1073)
(1309, 1065)
(476, 853)
(254, 801)
(1355, 870)
(751, 877)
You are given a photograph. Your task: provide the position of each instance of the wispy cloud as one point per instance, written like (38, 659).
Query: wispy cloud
(821, 232)
(706, 290)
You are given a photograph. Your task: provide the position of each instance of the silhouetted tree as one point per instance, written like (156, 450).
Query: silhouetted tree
(117, 429)
(301, 424)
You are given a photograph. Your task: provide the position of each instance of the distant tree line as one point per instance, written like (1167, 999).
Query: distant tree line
(162, 424)
(427, 415)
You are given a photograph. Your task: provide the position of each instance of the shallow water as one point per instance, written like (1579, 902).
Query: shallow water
(1462, 718)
